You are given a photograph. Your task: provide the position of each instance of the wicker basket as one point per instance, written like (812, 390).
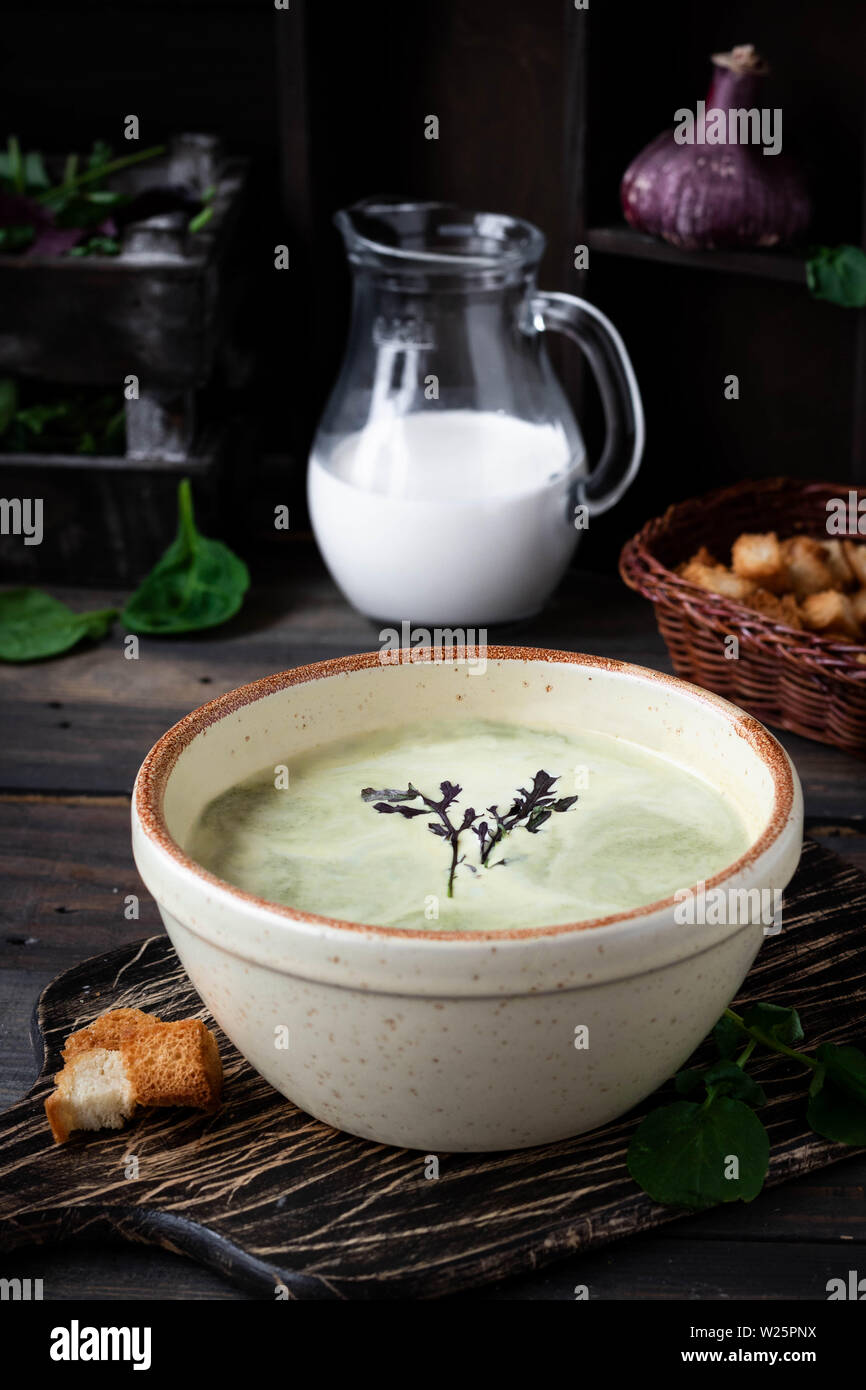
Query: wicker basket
(796, 680)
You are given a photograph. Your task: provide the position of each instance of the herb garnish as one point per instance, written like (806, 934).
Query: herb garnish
(681, 1154)
(530, 808)
(197, 583)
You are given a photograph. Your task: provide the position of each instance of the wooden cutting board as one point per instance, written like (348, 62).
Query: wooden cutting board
(266, 1195)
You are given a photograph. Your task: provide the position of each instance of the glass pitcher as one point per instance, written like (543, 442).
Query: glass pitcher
(448, 481)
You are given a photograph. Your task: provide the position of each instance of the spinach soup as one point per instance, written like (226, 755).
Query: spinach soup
(469, 826)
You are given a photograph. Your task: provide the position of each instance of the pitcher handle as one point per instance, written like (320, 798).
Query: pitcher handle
(614, 376)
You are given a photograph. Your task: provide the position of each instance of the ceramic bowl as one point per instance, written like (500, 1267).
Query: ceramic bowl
(445, 1041)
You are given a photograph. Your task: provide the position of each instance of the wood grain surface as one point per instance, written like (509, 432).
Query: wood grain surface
(266, 1195)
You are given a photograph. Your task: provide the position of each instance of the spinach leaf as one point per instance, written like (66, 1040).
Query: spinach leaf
(837, 1096)
(198, 583)
(773, 1023)
(34, 625)
(838, 274)
(723, 1078)
(687, 1154)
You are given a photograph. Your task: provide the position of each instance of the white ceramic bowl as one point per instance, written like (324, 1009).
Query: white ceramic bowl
(445, 1041)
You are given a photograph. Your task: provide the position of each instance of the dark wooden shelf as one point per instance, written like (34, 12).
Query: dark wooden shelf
(767, 265)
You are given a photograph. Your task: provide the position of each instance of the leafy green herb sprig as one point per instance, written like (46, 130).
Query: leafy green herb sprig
(699, 1152)
(531, 809)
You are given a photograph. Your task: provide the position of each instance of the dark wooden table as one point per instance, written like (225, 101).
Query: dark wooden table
(74, 733)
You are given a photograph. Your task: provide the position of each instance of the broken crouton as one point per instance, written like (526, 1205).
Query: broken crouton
(93, 1092)
(109, 1030)
(855, 554)
(759, 558)
(174, 1064)
(839, 565)
(128, 1058)
(716, 579)
(830, 612)
(782, 608)
(806, 568)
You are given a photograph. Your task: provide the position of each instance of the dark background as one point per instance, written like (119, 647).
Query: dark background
(541, 107)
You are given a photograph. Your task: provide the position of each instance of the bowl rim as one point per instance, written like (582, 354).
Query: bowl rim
(153, 775)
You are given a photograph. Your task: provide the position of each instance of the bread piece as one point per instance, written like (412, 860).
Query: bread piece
(858, 603)
(838, 564)
(174, 1064)
(705, 557)
(830, 613)
(855, 554)
(93, 1092)
(109, 1030)
(716, 579)
(806, 568)
(782, 608)
(128, 1058)
(759, 558)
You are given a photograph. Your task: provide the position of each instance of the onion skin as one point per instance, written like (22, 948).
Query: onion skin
(705, 197)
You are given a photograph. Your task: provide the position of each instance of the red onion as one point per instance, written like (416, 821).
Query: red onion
(712, 192)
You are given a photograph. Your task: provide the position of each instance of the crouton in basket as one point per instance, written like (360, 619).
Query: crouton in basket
(717, 580)
(782, 608)
(839, 565)
(830, 612)
(128, 1058)
(855, 554)
(759, 558)
(806, 567)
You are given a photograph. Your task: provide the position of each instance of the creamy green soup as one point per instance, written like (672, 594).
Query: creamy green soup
(640, 828)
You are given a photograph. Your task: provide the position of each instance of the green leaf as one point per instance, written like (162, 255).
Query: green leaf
(689, 1080)
(725, 1078)
(198, 583)
(35, 176)
(680, 1153)
(774, 1024)
(97, 245)
(8, 402)
(16, 238)
(85, 209)
(36, 417)
(838, 274)
(34, 625)
(837, 1095)
(16, 164)
(99, 155)
(728, 1037)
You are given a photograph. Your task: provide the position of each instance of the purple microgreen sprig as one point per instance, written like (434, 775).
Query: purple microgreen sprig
(531, 808)
(388, 803)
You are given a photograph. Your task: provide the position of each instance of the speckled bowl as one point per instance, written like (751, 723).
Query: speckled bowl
(442, 1041)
